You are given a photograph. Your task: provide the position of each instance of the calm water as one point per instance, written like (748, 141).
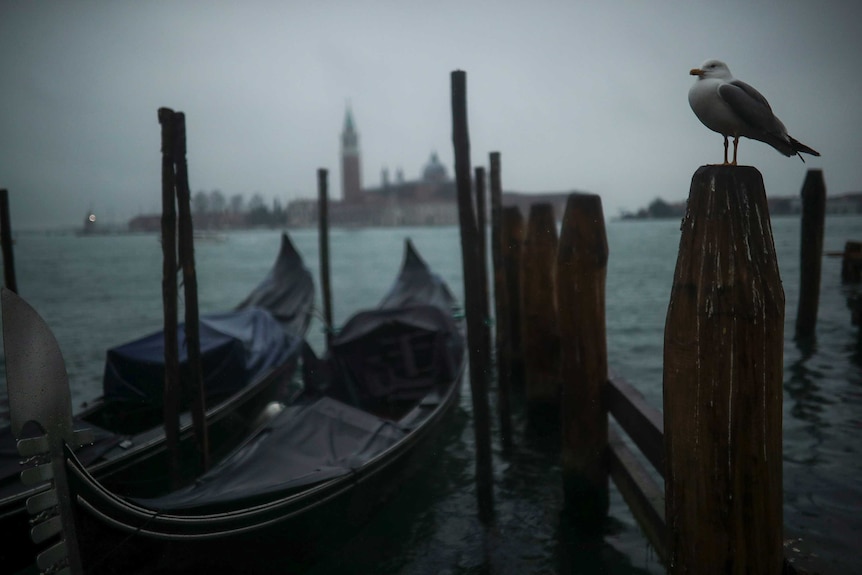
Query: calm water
(96, 292)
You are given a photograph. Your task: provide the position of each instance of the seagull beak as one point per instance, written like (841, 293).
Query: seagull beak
(696, 72)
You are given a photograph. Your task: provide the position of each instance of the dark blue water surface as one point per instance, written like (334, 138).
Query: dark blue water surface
(96, 292)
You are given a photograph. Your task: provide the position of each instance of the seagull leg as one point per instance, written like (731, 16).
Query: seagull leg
(735, 144)
(725, 150)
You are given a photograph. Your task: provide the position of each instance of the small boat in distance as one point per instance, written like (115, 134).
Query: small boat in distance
(309, 476)
(249, 358)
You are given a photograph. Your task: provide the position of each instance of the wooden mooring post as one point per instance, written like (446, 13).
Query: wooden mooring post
(481, 225)
(539, 331)
(323, 238)
(851, 262)
(502, 325)
(582, 259)
(511, 246)
(475, 307)
(9, 279)
(723, 354)
(171, 394)
(811, 252)
(190, 291)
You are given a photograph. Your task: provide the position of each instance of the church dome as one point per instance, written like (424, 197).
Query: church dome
(434, 171)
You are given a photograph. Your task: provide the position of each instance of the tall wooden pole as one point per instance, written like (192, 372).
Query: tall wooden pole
(6, 243)
(582, 259)
(323, 237)
(481, 224)
(723, 360)
(190, 290)
(501, 303)
(472, 294)
(811, 252)
(169, 295)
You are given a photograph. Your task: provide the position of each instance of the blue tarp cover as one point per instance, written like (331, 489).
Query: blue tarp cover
(303, 445)
(236, 347)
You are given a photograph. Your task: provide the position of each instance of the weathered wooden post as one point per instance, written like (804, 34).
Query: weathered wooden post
(582, 259)
(190, 291)
(723, 353)
(811, 252)
(512, 245)
(851, 263)
(323, 238)
(503, 326)
(170, 400)
(539, 331)
(481, 226)
(473, 297)
(6, 243)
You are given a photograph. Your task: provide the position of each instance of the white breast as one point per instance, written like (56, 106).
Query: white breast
(712, 110)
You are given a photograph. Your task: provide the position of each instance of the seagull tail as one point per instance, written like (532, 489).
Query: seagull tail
(800, 147)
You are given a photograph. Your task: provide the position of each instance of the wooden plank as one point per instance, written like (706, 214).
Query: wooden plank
(643, 423)
(643, 495)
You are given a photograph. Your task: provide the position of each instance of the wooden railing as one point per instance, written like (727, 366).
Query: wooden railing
(644, 425)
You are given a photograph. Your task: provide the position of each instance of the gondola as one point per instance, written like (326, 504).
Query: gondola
(249, 357)
(306, 478)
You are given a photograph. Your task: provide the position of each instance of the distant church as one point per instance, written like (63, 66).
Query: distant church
(430, 200)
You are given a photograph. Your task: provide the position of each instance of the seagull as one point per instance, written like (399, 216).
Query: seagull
(733, 108)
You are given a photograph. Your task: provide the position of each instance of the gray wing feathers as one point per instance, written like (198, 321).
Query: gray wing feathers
(754, 110)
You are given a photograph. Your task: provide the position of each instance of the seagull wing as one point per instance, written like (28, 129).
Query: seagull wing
(753, 109)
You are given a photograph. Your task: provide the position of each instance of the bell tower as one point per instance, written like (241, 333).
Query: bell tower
(351, 176)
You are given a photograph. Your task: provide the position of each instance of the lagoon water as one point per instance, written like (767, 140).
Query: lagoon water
(96, 292)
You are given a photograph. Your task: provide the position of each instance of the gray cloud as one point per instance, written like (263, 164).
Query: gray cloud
(574, 96)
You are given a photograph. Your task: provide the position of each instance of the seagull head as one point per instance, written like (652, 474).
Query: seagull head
(712, 69)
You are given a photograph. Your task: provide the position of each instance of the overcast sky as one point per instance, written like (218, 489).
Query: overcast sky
(574, 95)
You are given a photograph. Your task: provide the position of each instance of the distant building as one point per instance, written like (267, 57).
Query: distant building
(351, 166)
(428, 200)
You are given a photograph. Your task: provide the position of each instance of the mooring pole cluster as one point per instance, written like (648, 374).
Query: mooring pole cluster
(175, 193)
(475, 308)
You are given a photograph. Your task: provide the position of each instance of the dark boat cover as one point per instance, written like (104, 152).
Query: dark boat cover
(396, 354)
(305, 444)
(236, 347)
